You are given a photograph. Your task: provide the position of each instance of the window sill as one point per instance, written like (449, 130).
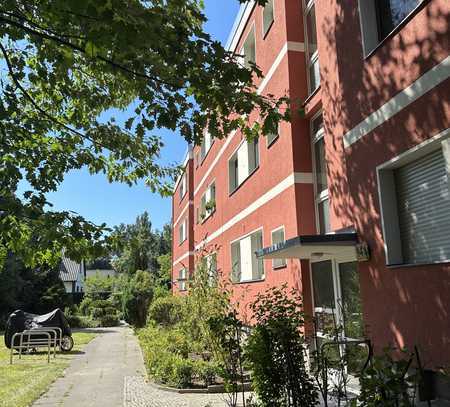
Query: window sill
(265, 34)
(182, 198)
(202, 221)
(179, 244)
(310, 96)
(249, 281)
(243, 182)
(273, 141)
(396, 30)
(283, 266)
(409, 265)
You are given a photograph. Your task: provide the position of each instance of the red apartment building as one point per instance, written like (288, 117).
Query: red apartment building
(349, 204)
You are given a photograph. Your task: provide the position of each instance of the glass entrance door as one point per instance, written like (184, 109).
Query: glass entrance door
(337, 309)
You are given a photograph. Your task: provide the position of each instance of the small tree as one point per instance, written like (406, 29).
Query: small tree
(275, 351)
(136, 297)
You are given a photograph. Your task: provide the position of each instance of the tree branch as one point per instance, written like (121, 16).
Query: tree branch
(75, 47)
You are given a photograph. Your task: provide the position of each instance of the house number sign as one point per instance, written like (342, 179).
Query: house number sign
(362, 251)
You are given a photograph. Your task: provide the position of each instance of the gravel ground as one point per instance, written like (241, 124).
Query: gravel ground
(139, 393)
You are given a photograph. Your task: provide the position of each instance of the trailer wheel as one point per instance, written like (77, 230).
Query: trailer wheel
(66, 343)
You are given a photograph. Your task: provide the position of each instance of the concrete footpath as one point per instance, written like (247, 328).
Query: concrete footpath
(97, 377)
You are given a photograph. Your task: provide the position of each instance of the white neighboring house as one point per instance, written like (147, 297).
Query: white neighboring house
(72, 275)
(104, 273)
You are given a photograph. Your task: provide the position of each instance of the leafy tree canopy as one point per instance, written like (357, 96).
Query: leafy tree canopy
(137, 246)
(67, 66)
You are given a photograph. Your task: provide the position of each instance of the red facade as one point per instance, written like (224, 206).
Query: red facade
(384, 100)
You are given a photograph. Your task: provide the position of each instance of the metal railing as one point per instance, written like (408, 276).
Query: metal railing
(56, 340)
(34, 343)
(47, 337)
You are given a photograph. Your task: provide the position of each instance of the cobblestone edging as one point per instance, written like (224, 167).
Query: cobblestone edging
(139, 393)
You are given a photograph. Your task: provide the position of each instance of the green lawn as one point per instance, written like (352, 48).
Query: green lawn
(28, 378)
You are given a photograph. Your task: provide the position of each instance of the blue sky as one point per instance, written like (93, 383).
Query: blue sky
(99, 201)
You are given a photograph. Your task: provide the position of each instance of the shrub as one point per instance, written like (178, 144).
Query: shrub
(79, 321)
(137, 293)
(182, 373)
(385, 383)
(205, 371)
(275, 351)
(166, 353)
(109, 320)
(85, 306)
(166, 310)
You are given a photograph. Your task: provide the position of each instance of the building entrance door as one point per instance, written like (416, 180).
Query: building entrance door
(337, 308)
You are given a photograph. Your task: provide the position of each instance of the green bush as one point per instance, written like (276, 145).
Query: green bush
(182, 373)
(166, 355)
(109, 320)
(205, 371)
(275, 351)
(166, 310)
(85, 306)
(80, 321)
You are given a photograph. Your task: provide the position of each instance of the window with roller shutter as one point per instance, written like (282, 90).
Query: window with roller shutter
(245, 265)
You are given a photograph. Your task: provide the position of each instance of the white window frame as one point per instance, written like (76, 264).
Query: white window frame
(204, 150)
(183, 185)
(260, 229)
(265, 30)
(182, 235)
(337, 290)
(269, 142)
(243, 60)
(207, 212)
(324, 195)
(389, 217)
(368, 19)
(284, 261)
(310, 60)
(233, 158)
(182, 279)
(212, 278)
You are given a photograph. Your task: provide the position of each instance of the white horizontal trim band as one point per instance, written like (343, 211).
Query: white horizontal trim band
(294, 178)
(422, 85)
(288, 46)
(184, 256)
(182, 212)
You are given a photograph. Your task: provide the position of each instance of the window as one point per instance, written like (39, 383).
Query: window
(245, 265)
(320, 176)
(379, 18)
(182, 279)
(183, 186)
(243, 163)
(208, 203)
(391, 13)
(337, 304)
(415, 202)
(278, 237)
(182, 231)
(210, 263)
(248, 50)
(207, 142)
(272, 137)
(312, 55)
(268, 16)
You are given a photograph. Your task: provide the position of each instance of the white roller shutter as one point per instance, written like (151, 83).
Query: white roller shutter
(242, 157)
(424, 209)
(246, 259)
